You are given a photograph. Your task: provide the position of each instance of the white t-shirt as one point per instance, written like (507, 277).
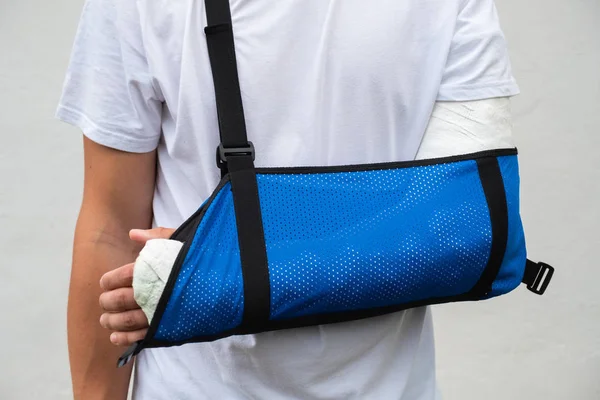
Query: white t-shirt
(323, 82)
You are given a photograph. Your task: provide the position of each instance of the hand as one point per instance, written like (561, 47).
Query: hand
(121, 313)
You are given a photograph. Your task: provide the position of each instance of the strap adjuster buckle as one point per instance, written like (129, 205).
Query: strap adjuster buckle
(224, 152)
(542, 279)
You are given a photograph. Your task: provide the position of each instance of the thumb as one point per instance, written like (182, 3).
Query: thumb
(143, 235)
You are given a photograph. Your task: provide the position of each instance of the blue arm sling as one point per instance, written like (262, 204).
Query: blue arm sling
(278, 248)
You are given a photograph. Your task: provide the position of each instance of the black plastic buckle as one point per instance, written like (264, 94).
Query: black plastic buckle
(542, 279)
(224, 152)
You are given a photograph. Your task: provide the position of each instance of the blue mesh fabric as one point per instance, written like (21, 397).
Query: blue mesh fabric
(208, 296)
(347, 241)
(515, 257)
(357, 240)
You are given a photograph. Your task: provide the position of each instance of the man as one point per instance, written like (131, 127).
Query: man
(324, 82)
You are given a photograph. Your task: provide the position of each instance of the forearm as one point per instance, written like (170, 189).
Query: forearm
(100, 245)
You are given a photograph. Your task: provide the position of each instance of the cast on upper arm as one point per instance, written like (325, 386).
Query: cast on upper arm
(109, 91)
(478, 65)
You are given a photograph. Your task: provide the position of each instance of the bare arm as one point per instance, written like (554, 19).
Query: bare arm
(117, 197)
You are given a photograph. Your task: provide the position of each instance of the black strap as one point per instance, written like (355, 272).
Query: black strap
(537, 275)
(217, 12)
(235, 156)
(493, 188)
(221, 50)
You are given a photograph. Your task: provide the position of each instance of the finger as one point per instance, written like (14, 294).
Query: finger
(126, 321)
(127, 338)
(117, 278)
(143, 235)
(118, 300)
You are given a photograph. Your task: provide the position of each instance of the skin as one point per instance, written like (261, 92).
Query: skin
(117, 197)
(121, 313)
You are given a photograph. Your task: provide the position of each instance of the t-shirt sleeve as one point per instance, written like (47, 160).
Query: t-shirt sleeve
(478, 65)
(109, 92)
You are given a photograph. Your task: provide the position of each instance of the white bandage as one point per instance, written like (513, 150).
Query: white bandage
(455, 128)
(151, 272)
(466, 127)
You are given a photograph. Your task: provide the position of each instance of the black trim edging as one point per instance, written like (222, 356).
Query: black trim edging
(389, 165)
(317, 319)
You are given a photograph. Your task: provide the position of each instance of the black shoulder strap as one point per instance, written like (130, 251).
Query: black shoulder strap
(235, 156)
(219, 38)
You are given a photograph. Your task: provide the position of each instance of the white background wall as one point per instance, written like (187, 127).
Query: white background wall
(520, 346)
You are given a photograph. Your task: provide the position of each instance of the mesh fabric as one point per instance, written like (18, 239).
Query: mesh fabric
(344, 241)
